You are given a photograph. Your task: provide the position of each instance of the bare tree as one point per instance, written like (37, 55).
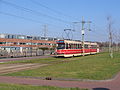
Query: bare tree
(116, 40)
(110, 36)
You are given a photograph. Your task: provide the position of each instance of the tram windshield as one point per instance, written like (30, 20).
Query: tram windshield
(61, 46)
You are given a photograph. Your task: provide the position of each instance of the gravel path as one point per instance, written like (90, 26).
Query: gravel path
(21, 58)
(113, 84)
(7, 68)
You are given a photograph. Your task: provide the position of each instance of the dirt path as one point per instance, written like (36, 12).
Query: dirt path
(21, 58)
(17, 67)
(110, 84)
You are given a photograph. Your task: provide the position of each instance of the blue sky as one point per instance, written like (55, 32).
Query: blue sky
(59, 15)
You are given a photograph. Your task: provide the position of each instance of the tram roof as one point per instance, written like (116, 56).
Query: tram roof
(78, 42)
(70, 41)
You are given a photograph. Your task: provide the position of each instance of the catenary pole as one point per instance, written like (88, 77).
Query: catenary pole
(83, 32)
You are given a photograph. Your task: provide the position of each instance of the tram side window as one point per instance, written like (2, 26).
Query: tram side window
(61, 46)
(79, 46)
(75, 46)
(86, 46)
(67, 46)
(93, 46)
(72, 46)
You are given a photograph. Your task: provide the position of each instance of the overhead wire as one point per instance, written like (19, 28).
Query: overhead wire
(21, 17)
(94, 34)
(29, 10)
(33, 11)
(24, 18)
(53, 10)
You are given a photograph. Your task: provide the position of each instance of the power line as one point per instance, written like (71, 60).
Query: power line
(29, 10)
(24, 18)
(94, 31)
(33, 11)
(21, 17)
(55, 11)
(98, 33)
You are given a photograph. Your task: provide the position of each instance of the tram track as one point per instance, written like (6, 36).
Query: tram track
(9, 68)
(4, 69)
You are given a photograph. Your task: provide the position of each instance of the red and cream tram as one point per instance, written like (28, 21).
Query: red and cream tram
(67, 48)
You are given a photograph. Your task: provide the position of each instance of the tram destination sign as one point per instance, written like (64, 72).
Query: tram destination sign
(60, 41)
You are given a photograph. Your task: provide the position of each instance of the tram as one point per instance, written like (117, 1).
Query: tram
(68, 48)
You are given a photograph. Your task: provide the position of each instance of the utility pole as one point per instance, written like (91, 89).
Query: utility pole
(83, 32)
(45, 31)
(31, 46)
(110, 37)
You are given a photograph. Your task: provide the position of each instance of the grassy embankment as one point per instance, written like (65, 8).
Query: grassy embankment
(30, 87)
(97, 67)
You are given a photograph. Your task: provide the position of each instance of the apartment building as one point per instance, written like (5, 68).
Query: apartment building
(13, 43)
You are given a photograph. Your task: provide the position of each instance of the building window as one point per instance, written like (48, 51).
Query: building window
(2, 36)
(22, 43)
(2, 42)
(40, 44)
(28, 43)
(86, 46)
(21, 37)
(29, 37)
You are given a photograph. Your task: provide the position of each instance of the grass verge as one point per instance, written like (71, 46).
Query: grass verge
(30, 87)
(96, 67)
(42, 60)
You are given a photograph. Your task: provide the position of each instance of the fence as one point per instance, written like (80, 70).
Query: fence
(23, 53)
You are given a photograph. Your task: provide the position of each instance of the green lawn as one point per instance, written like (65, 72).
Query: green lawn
(30, 87)
(97, 67)
(42, 60)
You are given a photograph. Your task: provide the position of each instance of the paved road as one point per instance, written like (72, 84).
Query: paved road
(113, 84)
(21, 58)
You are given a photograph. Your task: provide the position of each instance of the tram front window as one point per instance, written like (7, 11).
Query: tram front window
(61, 46)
